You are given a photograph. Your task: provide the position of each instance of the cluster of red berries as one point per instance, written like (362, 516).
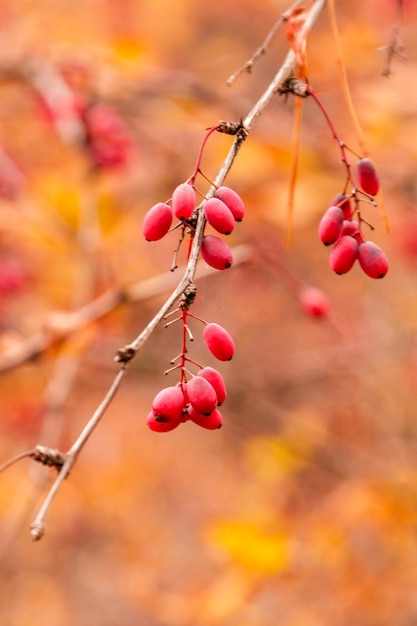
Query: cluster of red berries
(95, 126)
(339, 228)
(195, 398)
(221, 211)
(108, 140)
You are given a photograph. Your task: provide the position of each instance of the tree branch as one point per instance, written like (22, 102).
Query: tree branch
(60, 325)
(124, 355)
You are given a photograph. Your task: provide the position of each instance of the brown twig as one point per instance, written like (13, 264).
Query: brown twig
(394, 47)
(37, 527)
(16, 459)
(40, 454)
(248, 66)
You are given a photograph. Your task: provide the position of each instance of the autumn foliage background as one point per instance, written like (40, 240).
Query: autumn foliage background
(302, 509)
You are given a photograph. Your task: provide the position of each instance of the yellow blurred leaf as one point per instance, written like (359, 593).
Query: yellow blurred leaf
(273, 458)
(127, 49)
(252, 547)
(62, 198)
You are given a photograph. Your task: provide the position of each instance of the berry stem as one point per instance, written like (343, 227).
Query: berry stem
(184, 315)
(174, 321)
(199, 319)
(15, 459)
(193, 176)
(174, 265)
(335, 134)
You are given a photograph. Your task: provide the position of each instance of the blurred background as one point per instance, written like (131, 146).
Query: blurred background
(302, 509)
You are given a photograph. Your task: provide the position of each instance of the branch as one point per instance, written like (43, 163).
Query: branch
(60, 325)
(248, 66)
(394, 47)
(127, 353)
(37, 526)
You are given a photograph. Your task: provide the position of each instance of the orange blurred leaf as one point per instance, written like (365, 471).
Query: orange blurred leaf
(296, 33)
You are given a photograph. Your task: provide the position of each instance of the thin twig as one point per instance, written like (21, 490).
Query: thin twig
(248, 66)
(16, 459)
(394, 47)
(37, 527)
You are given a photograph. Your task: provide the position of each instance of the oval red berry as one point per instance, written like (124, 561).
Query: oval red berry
(219, 342)
(159, 425)
(216, 252)
(168, 403)
(331, 225)
(352, 228)
(183, 201)
(343, 201)
(216, 380)
(201, 395)
(314, 302)
(367, 176)
(211, 422)
(157, 221)
(372, 259)
(233, 201)
(343, 255)
(219, 216)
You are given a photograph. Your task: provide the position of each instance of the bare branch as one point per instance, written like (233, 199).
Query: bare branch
(127, 353)
(248, 66)
(16, 459)
(394, 47)
(37, 529)
(58, 326)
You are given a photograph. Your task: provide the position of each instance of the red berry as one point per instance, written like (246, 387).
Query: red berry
(183, 201)
(372, 259)
(159, 425)
(233, 201)
(157, 221)
(211, 422)
(13, 276)
(108, 140)
(219, 216)
(343, 201)
(343, 254)
(367, 176)
(217, 381)
(201, 395)
(219, 342)
(168, 404)
(331, 225)
(216, 252)
(352, 228)
(314, 301)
